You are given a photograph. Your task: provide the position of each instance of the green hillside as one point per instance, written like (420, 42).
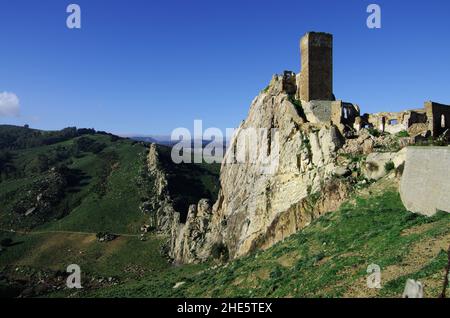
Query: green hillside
(327, 259)
(60, 189)
(57, 191)
(84, 183)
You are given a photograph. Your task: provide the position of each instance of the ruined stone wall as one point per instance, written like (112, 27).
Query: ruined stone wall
(341, 114)
(438, 117)
(318, 111)
(435, 116)
(416, 117)
(425, 184)
(289, 82)
(316, 78)
(344, 115)
(391, 122)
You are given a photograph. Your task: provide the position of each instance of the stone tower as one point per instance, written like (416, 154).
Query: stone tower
(316, 78)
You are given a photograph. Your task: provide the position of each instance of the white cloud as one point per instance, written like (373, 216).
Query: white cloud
(9, 105)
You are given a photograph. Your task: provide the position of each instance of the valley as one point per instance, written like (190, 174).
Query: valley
(328, 258)
(103, 190)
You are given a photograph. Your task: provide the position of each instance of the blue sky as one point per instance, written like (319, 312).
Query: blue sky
(147, 67)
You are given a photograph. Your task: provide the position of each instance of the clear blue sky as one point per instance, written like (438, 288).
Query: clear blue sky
(147, 67)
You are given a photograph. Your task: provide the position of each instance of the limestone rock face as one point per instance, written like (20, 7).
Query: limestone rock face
(155, 170)
(161, 204)
(266, 187)
(362, 145)
(189, 238)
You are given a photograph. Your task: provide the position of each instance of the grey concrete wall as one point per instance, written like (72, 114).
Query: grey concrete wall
(425, 184)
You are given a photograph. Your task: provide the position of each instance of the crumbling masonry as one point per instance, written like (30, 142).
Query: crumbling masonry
(313, 86)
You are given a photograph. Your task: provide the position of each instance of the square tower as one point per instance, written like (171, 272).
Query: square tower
(316, 77)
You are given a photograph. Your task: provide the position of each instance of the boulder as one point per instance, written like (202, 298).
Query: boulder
(418, 129)
(342, 171)
(374, 168)
(413, 289)
(178, 285)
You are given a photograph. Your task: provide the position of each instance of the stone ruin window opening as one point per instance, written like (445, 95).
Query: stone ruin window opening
(442, 121)
(393, 122)
(345, 112)
(383, 123)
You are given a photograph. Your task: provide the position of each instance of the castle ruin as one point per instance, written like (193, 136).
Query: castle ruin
(316, 78)
(313, 86)
(255, 209)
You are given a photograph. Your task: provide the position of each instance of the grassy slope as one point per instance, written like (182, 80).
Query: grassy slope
(116, 211)
(71, 240)
(53, 246)
(327, 259)
(55, 251)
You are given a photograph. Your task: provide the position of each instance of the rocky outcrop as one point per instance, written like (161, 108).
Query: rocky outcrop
(366, 143)
(274, 192)
(286, 165)
(39, 201)
(189, 238)
(160, 205)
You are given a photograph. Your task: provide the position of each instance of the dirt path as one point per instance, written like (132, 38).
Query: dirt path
(63, 232)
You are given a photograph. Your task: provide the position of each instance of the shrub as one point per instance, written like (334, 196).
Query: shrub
(402, 134)
(105, 236)
(374, 132)
(276, 273)
(389, 166)
(298, 107)
(86, 144)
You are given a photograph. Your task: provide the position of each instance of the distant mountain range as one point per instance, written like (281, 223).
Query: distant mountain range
(161, 140)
